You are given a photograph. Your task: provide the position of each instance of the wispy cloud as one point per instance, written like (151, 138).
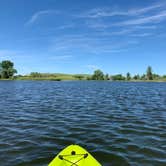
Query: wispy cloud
(108, 12)
(4, 53)
(92, 67)
(148, 19)
(39, 14)
(97, 40)
(90, 45)
(61, 57)
(137, 20)
(144, 27)
(105, 30)
(138, 11)
(121, 32)
(100, 12)
(13, 54)
(66, 26)
(8, 54)
(141, 34)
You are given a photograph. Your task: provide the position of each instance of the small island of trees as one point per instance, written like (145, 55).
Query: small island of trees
(7, 71)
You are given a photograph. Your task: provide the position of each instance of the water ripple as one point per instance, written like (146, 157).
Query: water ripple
(119, 123)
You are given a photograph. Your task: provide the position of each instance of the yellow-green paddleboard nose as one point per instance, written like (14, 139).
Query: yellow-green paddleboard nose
(74, 155)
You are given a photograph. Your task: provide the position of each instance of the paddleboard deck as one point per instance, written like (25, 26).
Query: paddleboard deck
(74, 155)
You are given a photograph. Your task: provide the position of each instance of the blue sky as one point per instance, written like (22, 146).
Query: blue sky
(76, 36)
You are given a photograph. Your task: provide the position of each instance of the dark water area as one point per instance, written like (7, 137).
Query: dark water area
(119, 123)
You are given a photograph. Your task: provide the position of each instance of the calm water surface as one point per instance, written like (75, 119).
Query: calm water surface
(119, 123)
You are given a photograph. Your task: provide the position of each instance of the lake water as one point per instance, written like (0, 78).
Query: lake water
(120, 123)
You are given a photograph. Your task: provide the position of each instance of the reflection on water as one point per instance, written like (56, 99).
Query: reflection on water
(119, 123)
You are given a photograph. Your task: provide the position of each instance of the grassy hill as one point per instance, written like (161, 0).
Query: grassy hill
(53, 77)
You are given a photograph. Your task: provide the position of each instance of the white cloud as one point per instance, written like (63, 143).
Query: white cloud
(13, 54)
(101, 12)
(108, 12)
(66, 26)
(149, 19)
(141, 34)
(121, 32)
(148, 27)
(39, 14)
(138, 17)
(8, 54)
(139, 11)
(61, 57)
(93, 67)
(91, 45)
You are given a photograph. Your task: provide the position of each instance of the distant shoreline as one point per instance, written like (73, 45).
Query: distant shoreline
(8, 72)
(54, 79)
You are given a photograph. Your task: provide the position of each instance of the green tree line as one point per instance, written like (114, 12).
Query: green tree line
(7, 71)
(149, 75)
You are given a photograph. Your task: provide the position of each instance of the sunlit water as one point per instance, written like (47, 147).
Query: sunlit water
(119, 123)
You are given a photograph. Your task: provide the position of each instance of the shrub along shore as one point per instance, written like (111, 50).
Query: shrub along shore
(7, 72)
